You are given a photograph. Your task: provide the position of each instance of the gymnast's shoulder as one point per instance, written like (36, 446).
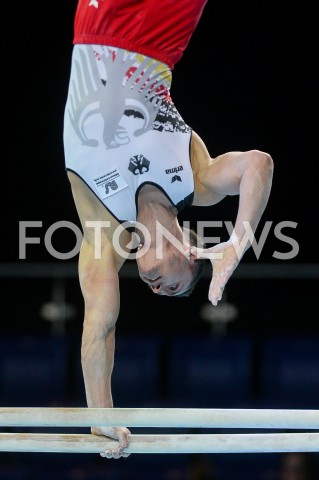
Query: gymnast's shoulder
(203, 166)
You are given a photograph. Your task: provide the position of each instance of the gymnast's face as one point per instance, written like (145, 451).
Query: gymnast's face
(170, 275)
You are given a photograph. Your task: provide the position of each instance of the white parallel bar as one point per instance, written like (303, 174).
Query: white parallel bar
(160, 417)
(232, 443)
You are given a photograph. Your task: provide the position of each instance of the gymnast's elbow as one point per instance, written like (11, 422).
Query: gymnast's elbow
(97, 327)
(262, 162)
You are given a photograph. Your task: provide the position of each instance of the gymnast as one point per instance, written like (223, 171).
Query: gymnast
(133, 161)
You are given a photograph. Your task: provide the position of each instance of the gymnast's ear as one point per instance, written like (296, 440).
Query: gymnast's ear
(193, 242)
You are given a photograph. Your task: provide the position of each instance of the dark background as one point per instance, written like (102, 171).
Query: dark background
(247, 80)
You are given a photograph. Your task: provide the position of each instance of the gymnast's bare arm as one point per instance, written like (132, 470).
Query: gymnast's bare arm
(98, 275)
(247, 174)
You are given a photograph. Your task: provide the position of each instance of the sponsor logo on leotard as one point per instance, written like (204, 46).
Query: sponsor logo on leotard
(139, 165)
(176, 178)
(174, 170)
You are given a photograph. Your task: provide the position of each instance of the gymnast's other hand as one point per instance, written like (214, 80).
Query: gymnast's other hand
(224, 260)
(117, 433)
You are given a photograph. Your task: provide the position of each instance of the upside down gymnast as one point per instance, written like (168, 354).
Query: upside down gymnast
(133, 161)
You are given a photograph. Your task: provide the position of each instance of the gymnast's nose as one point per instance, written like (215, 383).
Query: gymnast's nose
(156, 288)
